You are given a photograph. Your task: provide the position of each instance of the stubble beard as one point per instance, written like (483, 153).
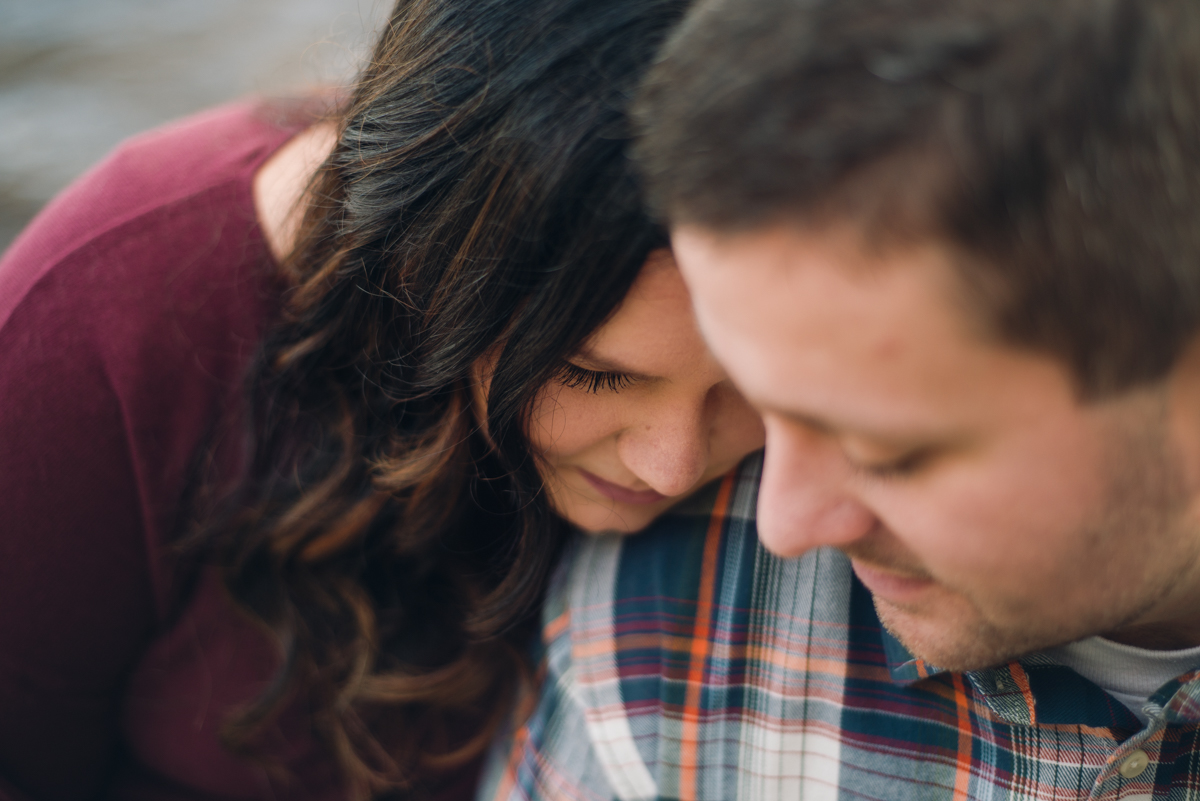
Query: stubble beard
(1146, 502)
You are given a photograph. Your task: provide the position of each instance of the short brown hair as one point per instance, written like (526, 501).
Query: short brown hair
(1065, 134)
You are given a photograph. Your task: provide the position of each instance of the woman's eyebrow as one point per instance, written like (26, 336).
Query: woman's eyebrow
(607, 365)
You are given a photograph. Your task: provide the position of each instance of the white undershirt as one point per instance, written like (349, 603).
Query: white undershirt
(1129, 674)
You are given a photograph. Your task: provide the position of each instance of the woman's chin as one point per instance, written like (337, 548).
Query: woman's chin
(613, 518)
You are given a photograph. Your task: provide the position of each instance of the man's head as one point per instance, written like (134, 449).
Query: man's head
(951, 249)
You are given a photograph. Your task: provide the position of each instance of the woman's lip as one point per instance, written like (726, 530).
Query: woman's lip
(621, 494)
(894, 587)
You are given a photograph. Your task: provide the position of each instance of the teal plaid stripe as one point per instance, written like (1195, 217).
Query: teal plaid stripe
(688, 663)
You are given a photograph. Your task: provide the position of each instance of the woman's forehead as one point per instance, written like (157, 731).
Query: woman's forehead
(653, 331)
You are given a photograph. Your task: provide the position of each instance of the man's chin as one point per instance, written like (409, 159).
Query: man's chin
(947, 643)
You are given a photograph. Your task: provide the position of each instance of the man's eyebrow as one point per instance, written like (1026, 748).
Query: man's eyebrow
(811, 422)
(603, 365)
(912, 437)
(814, 423)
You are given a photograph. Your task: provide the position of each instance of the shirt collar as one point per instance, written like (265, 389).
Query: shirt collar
(1034, 690)
(904, 667)
(1180, 699)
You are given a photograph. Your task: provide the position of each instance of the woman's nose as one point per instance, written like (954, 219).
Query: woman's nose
(668, 450)
(802, 499)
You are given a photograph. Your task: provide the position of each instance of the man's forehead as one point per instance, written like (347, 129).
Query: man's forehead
(823, 283)
(808, 267)
(818, 325)
(837, 241)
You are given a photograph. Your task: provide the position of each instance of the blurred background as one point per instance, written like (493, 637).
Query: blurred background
(78, 76)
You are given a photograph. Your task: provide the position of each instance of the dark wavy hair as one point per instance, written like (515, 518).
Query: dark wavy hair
(478, 205)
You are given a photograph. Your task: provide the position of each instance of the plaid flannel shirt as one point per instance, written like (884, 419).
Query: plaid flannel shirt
(688, 663)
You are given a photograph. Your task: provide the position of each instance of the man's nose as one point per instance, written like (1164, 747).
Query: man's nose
(803, 502)
(668, 448)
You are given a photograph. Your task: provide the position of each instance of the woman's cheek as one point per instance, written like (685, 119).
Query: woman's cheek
(566, 420)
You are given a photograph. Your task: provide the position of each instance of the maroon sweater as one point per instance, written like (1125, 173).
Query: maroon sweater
(129, 311)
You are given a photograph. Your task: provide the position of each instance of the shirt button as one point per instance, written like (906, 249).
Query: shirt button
(1134, 764)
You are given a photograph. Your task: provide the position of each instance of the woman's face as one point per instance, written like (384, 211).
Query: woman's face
(643, 415)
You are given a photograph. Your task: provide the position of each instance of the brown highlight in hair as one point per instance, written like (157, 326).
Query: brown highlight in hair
(479, 193)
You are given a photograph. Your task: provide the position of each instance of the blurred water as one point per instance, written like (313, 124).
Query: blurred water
(77, 76)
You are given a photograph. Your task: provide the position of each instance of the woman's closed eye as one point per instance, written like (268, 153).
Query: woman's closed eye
(593, 381)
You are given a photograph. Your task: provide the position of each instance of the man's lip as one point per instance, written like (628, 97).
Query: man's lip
(895, 587)
(621, 494)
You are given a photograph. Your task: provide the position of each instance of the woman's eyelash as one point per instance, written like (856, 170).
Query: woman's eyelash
(593, 381)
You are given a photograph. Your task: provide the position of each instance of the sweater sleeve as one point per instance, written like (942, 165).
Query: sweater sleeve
(75, 591)
(129, 311)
